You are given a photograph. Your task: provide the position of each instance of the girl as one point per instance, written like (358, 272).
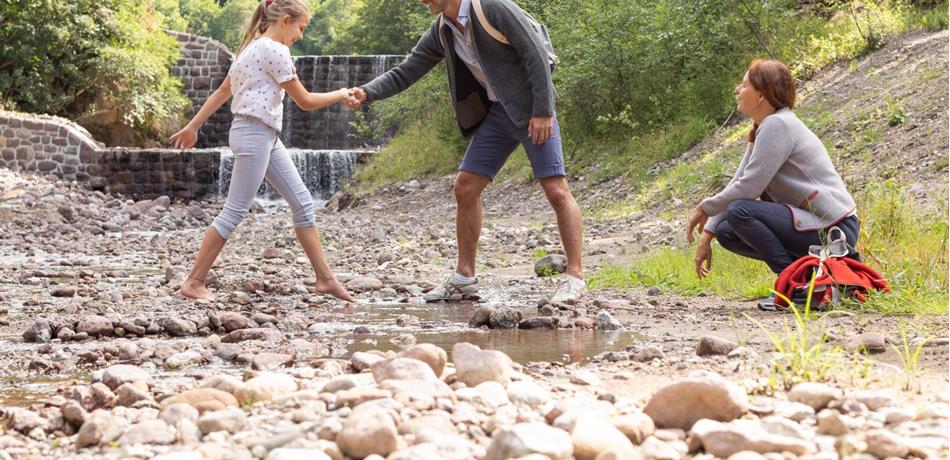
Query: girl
(260, 74)
(788, 167)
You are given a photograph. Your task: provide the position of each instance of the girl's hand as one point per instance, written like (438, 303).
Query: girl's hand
(186, 138)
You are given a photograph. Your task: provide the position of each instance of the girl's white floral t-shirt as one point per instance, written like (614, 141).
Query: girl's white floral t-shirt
(256, 76)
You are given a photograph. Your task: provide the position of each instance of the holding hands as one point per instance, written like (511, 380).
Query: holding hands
(355, 98)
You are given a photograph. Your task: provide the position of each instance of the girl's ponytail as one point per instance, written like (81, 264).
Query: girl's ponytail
(268, 11)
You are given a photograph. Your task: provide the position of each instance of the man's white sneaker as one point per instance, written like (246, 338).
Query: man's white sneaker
(452, 287)
(570, 289)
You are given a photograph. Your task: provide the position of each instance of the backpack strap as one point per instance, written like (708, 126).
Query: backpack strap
(477, 6)
(441, 24)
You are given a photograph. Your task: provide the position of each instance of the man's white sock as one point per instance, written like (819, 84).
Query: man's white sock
(465, 279)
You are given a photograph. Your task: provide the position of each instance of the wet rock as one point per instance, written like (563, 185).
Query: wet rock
(177, 327)
(232, 321)
(368, 430)
(816, 395)
(606, 322)
(95, 326)
(271, 361)
(203, 399)
(428, 353)
(683, 402)
(73, 413)
(474, 365)
(183, 359)
(98, 425)
(362, 360)
(364, 284)
(648, 353)
(724, 440)
(231, 420)
(539, 322)
(265, 386)
(504, 318)
(710, 345)
(130, 393)
(172, 414)
(524, 439)
(39, 331)
(550, 265)
(593, 435)
(481, 317)
(635, 426)
(23, 420)
(584, 323)
(148, 432)
(528, 393)
(264, 334)
(64, 292)
(547, 310)
(869, 342)
(114, 376)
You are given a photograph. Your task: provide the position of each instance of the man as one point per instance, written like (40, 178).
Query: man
(503, 96)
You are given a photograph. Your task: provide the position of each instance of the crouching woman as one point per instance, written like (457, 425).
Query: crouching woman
(785, 194)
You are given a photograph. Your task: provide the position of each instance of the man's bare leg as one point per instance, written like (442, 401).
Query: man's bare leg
(468, 218)
(569, 222)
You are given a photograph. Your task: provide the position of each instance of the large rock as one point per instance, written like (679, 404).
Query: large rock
(99, 426)
(530, 438)
(148, 432)
(550, 265)
(682, 403)
(223, 382)
(428, 353)
(474, 365)
(593, 435)
(203, 399)
(363, 360)
(402, 369)
(232, 321)
(231, 420)
(816, 395)
(369, 429)
(264, 334)
(23, 420)
(264, 387)
(114, 376)
(172, 414)
(183, 359)
(528, 393)
(723, 440)
(130, 393)
(606, 322)
(177, 327)
(95, 326)
(40, 331)
(635, 426)
(504, 318)
(364, 284)
(710, 345)
(885, 444)
(271, 361)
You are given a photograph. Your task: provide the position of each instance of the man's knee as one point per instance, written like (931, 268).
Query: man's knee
(468, 188)
(557, 192)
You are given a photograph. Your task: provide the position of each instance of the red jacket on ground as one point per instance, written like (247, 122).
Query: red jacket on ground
(849, 275)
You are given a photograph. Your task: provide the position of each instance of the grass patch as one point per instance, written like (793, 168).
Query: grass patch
(907, 245)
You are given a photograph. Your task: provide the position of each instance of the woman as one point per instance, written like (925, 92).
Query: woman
(785, 194)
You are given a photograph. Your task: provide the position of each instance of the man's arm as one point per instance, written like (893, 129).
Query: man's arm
(425, 55)
(510, 20)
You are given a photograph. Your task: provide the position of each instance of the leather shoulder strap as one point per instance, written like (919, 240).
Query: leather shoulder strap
(477, 5)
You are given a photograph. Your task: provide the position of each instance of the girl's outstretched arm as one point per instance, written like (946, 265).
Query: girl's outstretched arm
(188, 136)
(312, 101)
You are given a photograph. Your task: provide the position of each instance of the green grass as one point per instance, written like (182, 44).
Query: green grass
(907, 245)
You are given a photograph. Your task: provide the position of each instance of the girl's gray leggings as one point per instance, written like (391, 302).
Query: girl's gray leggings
(259, 155)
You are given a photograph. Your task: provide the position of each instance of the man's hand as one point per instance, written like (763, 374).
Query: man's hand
(356, 98)
(697, 219)
(185, 138)
(540, 128)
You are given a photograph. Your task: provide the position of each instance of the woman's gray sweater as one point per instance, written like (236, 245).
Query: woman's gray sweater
(790, 165)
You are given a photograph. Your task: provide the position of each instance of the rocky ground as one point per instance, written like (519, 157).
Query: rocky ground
(101, 358)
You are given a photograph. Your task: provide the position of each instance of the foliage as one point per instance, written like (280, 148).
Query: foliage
(909, 353)
(371, 28)
(102, 62)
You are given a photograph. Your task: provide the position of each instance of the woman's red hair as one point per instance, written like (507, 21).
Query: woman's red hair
(776, 83)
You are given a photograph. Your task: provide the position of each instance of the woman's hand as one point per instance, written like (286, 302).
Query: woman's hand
(186, 138)
(697, 219)
(703, 257)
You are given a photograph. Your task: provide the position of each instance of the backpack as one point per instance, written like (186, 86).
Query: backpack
(835, 276)
(539, 29)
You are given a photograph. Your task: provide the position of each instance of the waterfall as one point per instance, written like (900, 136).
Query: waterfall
(323, 172)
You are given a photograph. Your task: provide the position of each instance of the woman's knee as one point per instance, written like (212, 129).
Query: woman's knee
(740, 210)
(304, 212)
(228, 220)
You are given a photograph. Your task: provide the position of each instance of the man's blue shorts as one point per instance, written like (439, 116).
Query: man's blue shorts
(498, 136)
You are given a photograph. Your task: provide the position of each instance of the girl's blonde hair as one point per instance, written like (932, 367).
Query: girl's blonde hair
(269, 12)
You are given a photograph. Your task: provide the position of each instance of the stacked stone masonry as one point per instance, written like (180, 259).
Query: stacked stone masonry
(55, 146)
(202, 68)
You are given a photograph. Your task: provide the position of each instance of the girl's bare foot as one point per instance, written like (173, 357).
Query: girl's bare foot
(194, 288)
(333, 287)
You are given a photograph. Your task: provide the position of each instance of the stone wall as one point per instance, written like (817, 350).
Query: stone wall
(202, 68)
(49, 145)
